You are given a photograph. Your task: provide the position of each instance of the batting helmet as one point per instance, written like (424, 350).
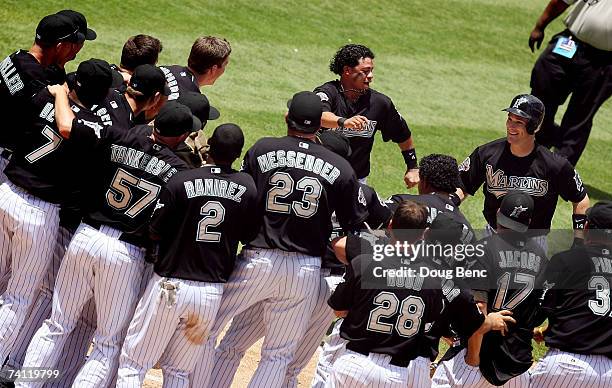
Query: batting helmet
(529, 107)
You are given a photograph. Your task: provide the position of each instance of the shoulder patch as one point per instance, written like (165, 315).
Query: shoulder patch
(465, 165)
(323, 96)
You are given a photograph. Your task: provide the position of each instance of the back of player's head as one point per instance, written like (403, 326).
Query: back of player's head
(199, 105)
(81, 22)
(175, 119)
(208, 51)
(440, 172)
(304, 112)
(92, 81)
(599, 221)
(515, 211)
(335, 142)
(140, 50)
(57, 28)
(146, 81)
(409, 221)
(444, 230)
(528, 107)
(226, 143)
(349, 55)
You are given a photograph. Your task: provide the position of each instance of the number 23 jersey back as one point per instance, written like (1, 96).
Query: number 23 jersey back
(299, 185)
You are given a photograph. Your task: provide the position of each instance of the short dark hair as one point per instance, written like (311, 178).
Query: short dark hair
(441, 172)
(140, 50)
(208, 51)
(409, 221)
(349, 55)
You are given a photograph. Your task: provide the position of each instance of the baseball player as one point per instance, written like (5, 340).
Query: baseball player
(41, 177)
(105, 259)
(137, 50)
(517, 162)
(577, 305)
(23, 73)
(515, 266)
(385, 327)
(299, 184)
(197, 255)
(438, 181)
(351, 106)
(248, 327)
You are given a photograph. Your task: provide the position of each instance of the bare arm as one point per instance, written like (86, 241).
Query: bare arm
(493, 321)
(63, 114)
(339, 246)
(553, 9)
(411, 178)
(580, 208)
(330, 120)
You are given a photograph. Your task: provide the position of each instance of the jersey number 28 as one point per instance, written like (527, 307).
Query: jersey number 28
(407, 323)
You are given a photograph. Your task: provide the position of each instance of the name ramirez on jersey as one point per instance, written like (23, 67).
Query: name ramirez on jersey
(214, 187)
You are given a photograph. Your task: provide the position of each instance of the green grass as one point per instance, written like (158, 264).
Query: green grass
(449, 65)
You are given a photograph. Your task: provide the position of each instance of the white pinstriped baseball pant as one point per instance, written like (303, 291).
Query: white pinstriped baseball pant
(563, 369)
(355, 370)
(332, 348)
(97, 264)
(286, 283)
(29, 228)
(3, 163)
(456, 373)
(248, 327)
(170, 327)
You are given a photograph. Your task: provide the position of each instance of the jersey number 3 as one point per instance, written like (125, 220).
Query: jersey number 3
(283, 185)
(601, 304)
(407, 323)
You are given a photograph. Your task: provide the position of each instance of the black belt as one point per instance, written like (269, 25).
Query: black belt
(402, 363)
(125, 237)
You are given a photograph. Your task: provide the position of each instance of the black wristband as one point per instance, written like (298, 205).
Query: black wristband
(410, 158)
(578, 221)
(341, 121)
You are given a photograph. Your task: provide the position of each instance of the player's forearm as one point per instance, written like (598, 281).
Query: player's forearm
(472, 355)
(341, 313)
(461, 194)
(329, 120)
(63, 114)
(578, 216)
(550, 13)
(339, 246)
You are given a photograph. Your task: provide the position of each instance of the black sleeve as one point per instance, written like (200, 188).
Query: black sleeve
(349, 202)
(554, 280)
(83, 135)
(164, 213)
(327, 94)
(463, 314)
(471, 173)
(395, 128)
(250, 224)
(342, 299)
(361, 244)
(569, 183)
(378, 212)
(248, 162)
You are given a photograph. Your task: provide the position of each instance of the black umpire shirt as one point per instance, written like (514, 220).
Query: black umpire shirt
(201, 216)
(22, 76)
(299, 185)
(379, 110)
(542, 174)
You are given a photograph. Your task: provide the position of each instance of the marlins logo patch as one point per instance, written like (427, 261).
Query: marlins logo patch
(465, 165)
(518, 210)
(323, 96)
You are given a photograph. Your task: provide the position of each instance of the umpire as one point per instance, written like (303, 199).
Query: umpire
(577, 61)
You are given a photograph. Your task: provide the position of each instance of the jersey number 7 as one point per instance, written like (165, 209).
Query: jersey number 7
(119, 195)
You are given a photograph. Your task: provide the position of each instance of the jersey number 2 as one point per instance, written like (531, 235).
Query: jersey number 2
(407, 323)
(283, 185)
(214, 214)
(119, 195)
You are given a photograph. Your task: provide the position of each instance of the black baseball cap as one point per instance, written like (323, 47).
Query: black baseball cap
(515, 211)
(79, 19)
(148, 80)
(93, 78)
(226, 142)
(199, 105)
(305, 111)
(335, 142)
(58, 28)
(527, 106)
(175, 119)
(444, 230)
(599, 215)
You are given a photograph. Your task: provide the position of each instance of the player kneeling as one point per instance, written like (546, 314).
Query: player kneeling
(387, 328)
(201, 216)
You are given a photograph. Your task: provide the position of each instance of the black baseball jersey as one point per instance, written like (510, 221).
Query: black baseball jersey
(129, 171)
(396, 320)
(379, 110)
(379, 216)
(180, 79)
(577, 302)
(44, 163)
(201, 216)
(115, 110)
(299, 185)
(515, 281)
(22, 76)
(436, 204)
(542, 174)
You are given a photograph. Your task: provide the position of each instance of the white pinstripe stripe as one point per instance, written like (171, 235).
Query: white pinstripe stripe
(285, 282)
(558, 368)
(331, 350)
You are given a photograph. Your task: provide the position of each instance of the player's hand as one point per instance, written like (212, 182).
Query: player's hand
(58, 89)
(536, 38)
(498, 321)
(356, 122)
(411, 178)
(538, 334)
